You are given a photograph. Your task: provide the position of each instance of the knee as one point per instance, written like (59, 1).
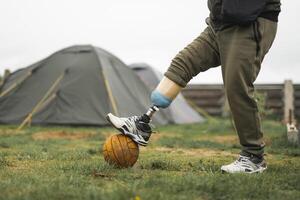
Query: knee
(229, 92)
(160, 100)
(240, 95)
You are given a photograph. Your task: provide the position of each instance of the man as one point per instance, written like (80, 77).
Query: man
(238, 36)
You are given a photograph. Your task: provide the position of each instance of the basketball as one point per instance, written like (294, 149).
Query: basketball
(121, 151)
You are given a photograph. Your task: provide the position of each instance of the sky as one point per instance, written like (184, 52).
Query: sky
(134, 30)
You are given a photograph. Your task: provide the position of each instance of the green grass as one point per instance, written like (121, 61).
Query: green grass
(182, 162)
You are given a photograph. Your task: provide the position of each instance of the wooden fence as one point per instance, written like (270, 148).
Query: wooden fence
(280, 98)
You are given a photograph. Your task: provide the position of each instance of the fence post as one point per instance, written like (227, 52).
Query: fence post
(288, 101)
(289, 117)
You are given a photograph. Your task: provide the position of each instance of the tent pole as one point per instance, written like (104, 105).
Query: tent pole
(40, 103)
(46, 102)
(110, 95)
(13, 86)
(107, 86)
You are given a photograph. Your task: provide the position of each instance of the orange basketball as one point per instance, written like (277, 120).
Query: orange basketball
(121, 151)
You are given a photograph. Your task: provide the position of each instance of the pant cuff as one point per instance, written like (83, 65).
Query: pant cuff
(257, 153)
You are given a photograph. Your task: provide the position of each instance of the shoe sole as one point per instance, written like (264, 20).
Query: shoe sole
(125, 133)
(258, 171)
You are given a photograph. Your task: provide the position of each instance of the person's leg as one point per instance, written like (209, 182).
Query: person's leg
(242, 51)
(197, 57)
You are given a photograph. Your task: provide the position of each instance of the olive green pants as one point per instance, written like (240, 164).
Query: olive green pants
(240, 51)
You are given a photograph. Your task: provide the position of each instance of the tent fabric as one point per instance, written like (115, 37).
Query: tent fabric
(179, 112)
(78, 85)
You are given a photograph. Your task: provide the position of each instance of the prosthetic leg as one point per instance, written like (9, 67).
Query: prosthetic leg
(137, 127)
(163, 95)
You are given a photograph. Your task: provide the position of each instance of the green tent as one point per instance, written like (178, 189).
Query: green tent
(78, 85)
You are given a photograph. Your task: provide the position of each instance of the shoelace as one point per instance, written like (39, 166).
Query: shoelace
(130, 121)
(244, 162)
(243, 159)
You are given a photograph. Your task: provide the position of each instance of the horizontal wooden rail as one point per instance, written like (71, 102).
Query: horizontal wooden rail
(211, 97)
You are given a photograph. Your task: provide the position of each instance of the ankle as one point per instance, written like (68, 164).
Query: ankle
(254, 158)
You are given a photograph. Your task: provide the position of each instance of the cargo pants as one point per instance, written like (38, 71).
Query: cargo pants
(240, 51)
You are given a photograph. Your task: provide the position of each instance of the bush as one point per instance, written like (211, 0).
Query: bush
(261, 99)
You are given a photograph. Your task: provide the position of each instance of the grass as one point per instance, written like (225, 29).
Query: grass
(182, 162)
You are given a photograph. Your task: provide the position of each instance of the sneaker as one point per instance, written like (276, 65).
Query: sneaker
(137, 128)
(245, 164)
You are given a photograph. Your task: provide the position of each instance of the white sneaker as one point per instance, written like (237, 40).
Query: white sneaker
(134, 127)
(244, 165)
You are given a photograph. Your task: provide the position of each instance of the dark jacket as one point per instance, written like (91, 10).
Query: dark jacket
(224, 13)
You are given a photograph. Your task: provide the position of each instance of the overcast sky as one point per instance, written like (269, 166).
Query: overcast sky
(134, 30)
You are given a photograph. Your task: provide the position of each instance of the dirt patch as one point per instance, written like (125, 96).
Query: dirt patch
(167, 133)
(27, 165)
(192, 152)
(227, 139)
(223, 139)
(155, 137)
(47, 135)
(5, 132)
(268, 141)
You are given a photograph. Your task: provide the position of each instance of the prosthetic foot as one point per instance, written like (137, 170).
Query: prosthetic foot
(138, 127)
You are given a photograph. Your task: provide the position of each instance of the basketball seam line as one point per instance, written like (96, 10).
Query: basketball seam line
(112, 147)
(126, 162)
(128, 142)
(133, 154)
